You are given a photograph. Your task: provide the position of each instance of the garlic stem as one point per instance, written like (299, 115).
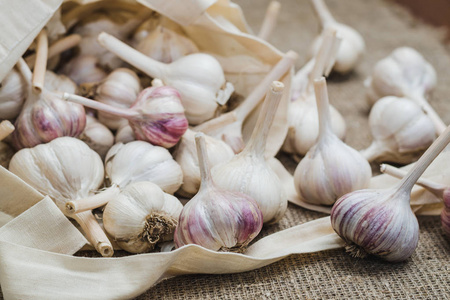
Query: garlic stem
(205, 172)
(217, 123)
(436, 188)
(270, 20)
(40, 65)
(121, 112)
(372, 152)
(429, 110)
(324, 14)
(255, 97)
(407, 183)
(135, 58)
(24, 70)
(323, 107)
(57, 47)
(6, 127)
(326, 55)
(132, 24)
(94, 233)
(90, 203)
(257, 142)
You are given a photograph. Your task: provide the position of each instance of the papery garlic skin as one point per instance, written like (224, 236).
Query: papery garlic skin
(120, 89)
(186, 157)
(98, 137)
(84, 69)
(166, 45)
(163, 121)
(400, 130)
(141, 161)
(141, 216)
(65, 169)
(13, 91)
(329, 170)
(379, 221)
(403, 73)
(46, 117)
(304, 126)
(445, 214)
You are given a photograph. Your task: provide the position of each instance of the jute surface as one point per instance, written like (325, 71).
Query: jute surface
(334, 274)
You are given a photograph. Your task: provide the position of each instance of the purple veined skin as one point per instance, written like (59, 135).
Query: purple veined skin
(217, 219)
(157, 116)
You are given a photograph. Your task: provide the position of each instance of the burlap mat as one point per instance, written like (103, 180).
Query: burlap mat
(333, 274)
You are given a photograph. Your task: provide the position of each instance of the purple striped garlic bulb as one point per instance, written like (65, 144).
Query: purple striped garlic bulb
(217, 219)
(157, 115)
(381, 222)
(45, 117)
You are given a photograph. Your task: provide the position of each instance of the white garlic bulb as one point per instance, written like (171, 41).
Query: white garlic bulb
(352, 47)
(405, 73)
(141, 161)
(166, 45)
(98, 137)
(186, 157)
(13, 91)
(120, 89)
(65, 169)
(84, 69)
(249, 173)
(59, 83)
(400, 129)
(381, 222)
(198, 77)
(141, 217)
(124, 134)
(303, 117)
(330, 169)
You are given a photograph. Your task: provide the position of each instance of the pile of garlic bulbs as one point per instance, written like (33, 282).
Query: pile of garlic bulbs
(124, 89)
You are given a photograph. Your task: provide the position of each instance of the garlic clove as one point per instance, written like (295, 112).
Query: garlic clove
(216, 219)
(59, 83)
(248, 171)
(381, 222)
(124, 134)
(330, 169)
(141, 161)
(141, 217)
(186, 157)
(13, 91)
(400, 130)
(98, 137)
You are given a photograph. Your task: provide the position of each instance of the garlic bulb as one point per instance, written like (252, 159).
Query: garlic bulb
(439, 190)
(141, 161)
(302, 114)
(186, 157)
(120, 89)
(166, 45)
(45, 117)
(405, 73)
(248, 171)
(124, 134)
(89, 31)
(65, 169)
(216, 219)
(157, 115)
(84, 69)
(330, 169)
(59, 83)
(141, 217)
(97, 136)
(228, 127)
(13, 91)
(381, 222)
(400, 131)
(352, 47)
(198, 77)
